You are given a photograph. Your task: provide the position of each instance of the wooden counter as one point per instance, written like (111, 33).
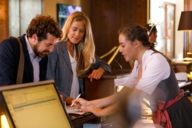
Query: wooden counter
(182, 66)
(99, 88)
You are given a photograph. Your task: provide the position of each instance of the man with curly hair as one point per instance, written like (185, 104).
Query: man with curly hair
(41, 36)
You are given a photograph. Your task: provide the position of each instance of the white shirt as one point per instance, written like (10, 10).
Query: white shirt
(34, 60)
(75, 83)
(155, 68)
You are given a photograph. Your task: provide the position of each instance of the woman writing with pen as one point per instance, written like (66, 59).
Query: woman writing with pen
(152, 78)
(73, 56)
(73, 103)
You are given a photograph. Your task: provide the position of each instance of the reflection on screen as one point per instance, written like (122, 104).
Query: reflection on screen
(36, 107)
(63, 11)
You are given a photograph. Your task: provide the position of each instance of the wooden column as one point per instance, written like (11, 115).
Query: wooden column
(107, 16)
(187, 5)
(3, 19)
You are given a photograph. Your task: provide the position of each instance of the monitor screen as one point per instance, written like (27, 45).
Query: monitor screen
(64, 10)
(36, 107)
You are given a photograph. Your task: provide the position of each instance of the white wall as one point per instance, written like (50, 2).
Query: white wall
(157, 17)
(20, 14)
(14, 28)
(179, 38)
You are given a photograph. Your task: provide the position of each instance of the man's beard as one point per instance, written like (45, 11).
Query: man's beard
(38, 53)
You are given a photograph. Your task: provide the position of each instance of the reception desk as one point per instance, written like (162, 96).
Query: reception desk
(79, 120)
(99, 88)
(182, 66)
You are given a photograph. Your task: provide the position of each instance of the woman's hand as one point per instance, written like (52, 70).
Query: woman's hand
(78, 103)
(96, 74)
(86, 106)
(91, 108)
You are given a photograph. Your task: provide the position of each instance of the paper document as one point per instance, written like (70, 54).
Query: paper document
(183, 84)
(73, 110)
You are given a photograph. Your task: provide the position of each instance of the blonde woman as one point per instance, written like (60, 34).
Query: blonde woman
(75, 55)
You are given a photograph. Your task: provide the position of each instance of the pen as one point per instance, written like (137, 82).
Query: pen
(75, 99)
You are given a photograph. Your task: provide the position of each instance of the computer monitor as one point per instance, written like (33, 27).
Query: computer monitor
(34, 105)
(64, 10)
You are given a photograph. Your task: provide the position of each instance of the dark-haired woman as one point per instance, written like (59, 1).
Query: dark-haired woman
(153, 78)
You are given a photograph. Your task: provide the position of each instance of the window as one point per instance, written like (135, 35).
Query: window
(20, 14)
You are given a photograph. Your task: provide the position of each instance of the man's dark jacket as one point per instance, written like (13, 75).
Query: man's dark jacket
(9, 59)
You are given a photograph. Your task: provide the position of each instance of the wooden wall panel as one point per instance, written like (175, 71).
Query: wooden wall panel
(187, 5)
(107, 16)
(3, 19)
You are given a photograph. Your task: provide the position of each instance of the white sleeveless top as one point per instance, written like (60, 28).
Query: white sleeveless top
(75, 83)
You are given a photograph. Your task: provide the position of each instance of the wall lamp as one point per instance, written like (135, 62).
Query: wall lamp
(185, 24)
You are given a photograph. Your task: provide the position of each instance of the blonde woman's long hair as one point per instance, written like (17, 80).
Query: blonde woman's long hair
(86, 48)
